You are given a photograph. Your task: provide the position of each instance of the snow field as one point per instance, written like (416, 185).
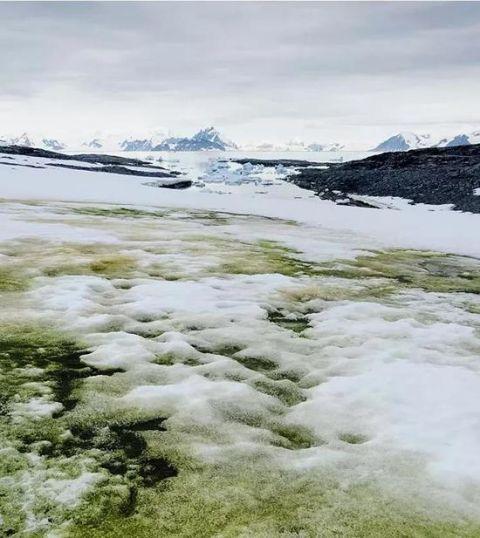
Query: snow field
(303, 382)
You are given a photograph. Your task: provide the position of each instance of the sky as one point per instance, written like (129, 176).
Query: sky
(352, 72)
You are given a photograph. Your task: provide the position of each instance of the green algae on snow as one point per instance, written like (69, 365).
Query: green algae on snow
(285, 390)
(109, 266)
(296, 323)
(11, 279)
(41, 352)
(39, 368)
(430, 271)
(136, 455)
(257, 499)
(117, 212)
(266, 257)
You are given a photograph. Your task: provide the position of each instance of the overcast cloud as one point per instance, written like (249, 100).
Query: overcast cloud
(353, 72)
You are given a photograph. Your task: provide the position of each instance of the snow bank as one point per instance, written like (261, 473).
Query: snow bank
(443, 231)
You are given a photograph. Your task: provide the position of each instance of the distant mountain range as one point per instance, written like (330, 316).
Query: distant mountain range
(203, 140)
(27, 140)
(206, 139)
(406, 141)
(294, 145)
(460, 140)
(211, 139)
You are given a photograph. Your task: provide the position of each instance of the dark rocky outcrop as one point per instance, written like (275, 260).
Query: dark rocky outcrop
(116, 169)
(277, 162)
(94, 158)
(431, 176)
(110, 164)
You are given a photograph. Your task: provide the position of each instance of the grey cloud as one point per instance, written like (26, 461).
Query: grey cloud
(296, 53)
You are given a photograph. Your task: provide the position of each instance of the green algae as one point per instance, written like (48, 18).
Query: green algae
(430, 271)
(38, 361)
(472, 308)
(53, 259)
(212, 218)
(295, 437)
(35, 362)
(318, 289)
(267, 502)
(285, 390)
(294, 375)
(118, 212)
(257, 364)
(164, 271)
(25, 349)
(238, 499)
(169, 359)
(109, 266)
(12, 279)
(296, 324)
(265, 257)
(353, 438)
(228, 350)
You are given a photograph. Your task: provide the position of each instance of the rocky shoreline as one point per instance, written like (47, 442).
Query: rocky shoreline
(435, 176)
(110, 164)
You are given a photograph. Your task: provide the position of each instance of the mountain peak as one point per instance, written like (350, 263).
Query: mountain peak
(204, 140)
(404, 141)
(95, 143)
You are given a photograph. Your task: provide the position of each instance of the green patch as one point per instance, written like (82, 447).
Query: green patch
(473, 308)
(431, 271)
(265, 502)
(296, 324)
(164, 272)
(109, 266)
(285, 390)
(266, 257)
(257, 364)
(166, 359)
(212, 218)
(121, 449)
(353, 438)
(229, 350)
(11, 279)
(117, 212)
(294, 437)
(33, 354)
(169, 359)
(338, 291)
(287, 373)
(38, 364)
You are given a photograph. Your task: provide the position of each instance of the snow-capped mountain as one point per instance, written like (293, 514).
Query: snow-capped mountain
(460, 140)
(95, 143)
(39, 141)
(205, 139)
(145, 141)
(211, 139)
(135, 144)
(405, 141)
(325, 147)
(24, 140)
(294, 145)
(53, 144)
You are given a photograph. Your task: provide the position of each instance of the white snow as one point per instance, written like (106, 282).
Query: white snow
(36, 408)
(442, 231)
